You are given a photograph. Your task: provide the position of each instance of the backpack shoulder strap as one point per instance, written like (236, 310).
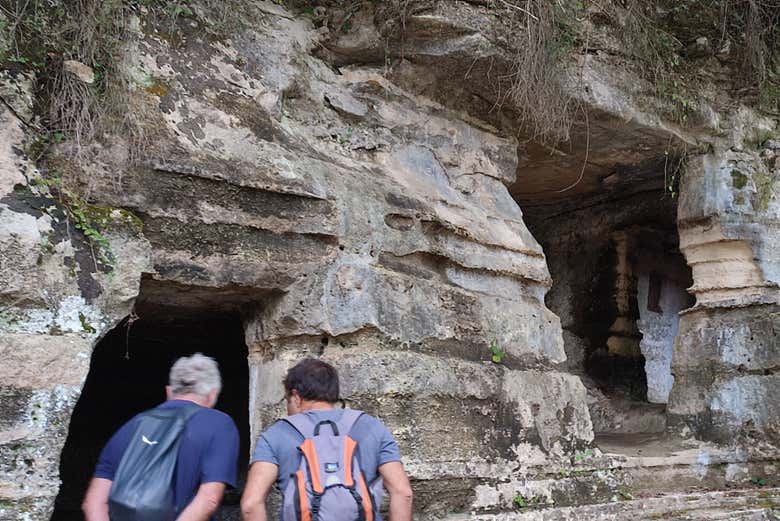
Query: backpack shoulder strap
(177, 414)
(302, 424)
(348, 419)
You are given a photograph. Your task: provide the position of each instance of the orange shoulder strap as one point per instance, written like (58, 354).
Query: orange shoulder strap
(310, 453)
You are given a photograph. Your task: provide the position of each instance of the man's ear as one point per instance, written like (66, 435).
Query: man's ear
(212, 399)
(168, 393)
(293, 402)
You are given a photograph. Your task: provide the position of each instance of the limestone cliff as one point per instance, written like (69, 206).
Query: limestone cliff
(348, 182)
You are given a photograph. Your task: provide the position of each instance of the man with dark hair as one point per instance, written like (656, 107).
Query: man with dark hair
(313, 379)
(311, 390)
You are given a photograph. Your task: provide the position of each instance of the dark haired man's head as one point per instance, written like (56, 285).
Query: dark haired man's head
(310, 380)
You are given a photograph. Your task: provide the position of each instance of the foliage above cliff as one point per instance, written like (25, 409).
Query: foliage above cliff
(675, 46)
(77, 48)
(674, 43)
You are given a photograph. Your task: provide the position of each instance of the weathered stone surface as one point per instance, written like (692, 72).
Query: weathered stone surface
(729, 232)
(743, 505)
(81, 71)
(349, 218)
(346, 105)
(17, 90)
(54, 300)
(39, 362)
(725, 360)
(366, 212)
(10, 134)
(744, 403)
(30, 448)
(508, 417)
(550, 405)
(624, 416)
(727, 351)
(659, 328)
(21, 237)
(415, 394)
(355, 295)
(743, 339)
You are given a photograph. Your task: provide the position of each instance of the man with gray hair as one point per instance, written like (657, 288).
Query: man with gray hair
(208, 444)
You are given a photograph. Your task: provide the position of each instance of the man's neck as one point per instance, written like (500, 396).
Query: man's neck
(194, 398)
(307, 405)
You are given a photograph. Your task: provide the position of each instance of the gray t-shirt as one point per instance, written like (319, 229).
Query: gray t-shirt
(279, 445)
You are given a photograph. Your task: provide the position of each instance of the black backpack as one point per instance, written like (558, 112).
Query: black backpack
(142, 489)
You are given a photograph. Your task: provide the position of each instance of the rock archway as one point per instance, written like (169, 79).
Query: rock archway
(129, 370)
(608, 228)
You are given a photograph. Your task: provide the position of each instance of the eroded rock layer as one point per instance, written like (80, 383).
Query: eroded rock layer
(342, 216)
(726, 354)
(356, 195)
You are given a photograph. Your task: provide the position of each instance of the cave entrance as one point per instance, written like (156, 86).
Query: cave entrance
(629, 327)
(619, 283)
(129, 370)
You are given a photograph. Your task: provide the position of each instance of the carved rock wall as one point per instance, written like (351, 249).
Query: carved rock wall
(53, 303)
(726, 354)
(368, 215)
(343, 216)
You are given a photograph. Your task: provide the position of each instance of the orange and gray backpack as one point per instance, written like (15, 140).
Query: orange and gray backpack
(329, 484)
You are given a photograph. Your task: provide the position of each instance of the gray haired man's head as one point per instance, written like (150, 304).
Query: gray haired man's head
(196, 374)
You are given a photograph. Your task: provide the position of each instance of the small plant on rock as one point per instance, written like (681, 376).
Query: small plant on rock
(519, 501)
(496, 353)
(583, 455)
(759, 482)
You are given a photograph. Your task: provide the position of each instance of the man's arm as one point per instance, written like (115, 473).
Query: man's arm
(262, 476)
(95, 505)
(205, 502)
(397, 485)
(217, 469)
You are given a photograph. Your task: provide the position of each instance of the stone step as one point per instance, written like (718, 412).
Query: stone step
(659, 464)
(756, 504)
(621, 416)
(616, 469)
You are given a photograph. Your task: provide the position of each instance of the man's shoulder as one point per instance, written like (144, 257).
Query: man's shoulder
(207, 422)
(215, 417)
(279, 428)
(367, 421)
(127, 428)
(284, 430)
(277, 440)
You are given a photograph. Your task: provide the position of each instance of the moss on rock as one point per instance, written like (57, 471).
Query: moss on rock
(738, 179)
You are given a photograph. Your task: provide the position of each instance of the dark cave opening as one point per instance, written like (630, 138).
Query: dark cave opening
(617, 369)
(128, 373)
(619, 284)
(638, 289)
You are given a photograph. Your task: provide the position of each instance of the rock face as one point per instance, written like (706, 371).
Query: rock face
(331, 208)
(370, 216)
(54, 302)
(659, 330)
(726, 353)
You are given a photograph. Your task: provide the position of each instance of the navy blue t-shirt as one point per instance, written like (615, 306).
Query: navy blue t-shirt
(208, 452)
